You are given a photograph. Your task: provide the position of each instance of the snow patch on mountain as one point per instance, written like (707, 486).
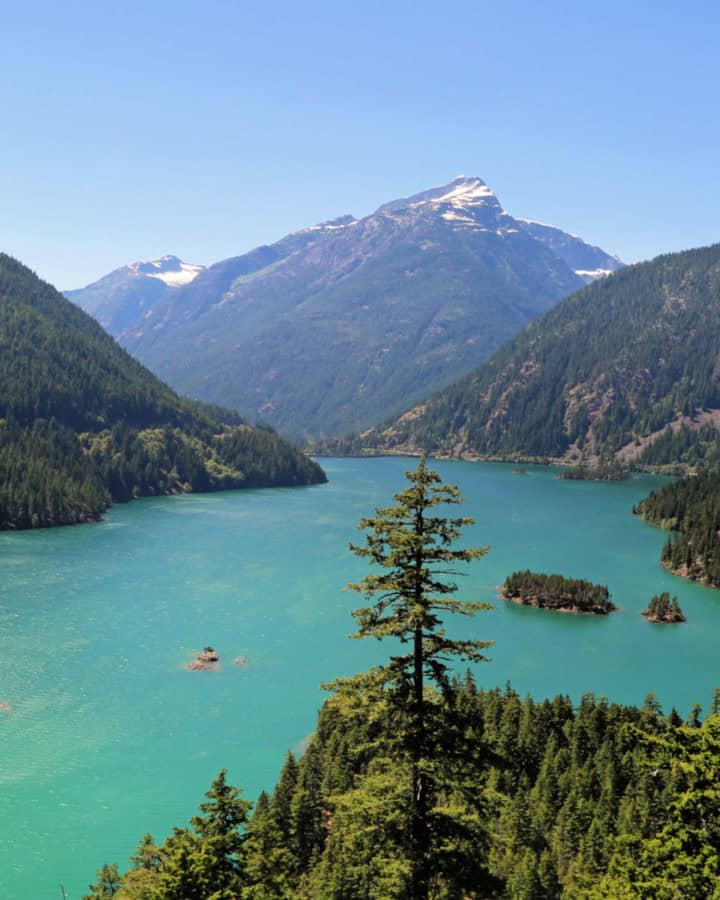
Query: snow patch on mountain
(188, 272)
(451, 216)
(168, 269)
(470, 191)
(592, 274)
(545, 225)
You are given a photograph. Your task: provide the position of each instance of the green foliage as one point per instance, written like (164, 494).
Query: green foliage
(597, 800)
(203, 862)
(681, 857)
(83, 425)
(107, 885)
(691, 507)
(557, 592)
(605, 471)
(414, 548)
(680, 449)
(662, 609)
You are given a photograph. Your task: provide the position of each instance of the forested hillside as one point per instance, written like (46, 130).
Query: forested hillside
(83, 425)
(628, 367)
(690, 508)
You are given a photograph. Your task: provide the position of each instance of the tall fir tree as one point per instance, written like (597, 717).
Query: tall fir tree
(414, 545)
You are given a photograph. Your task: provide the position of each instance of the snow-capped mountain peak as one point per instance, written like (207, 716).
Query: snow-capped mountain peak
(461, 192)
(168, 269)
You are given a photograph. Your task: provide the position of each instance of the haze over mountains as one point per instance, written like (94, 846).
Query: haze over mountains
(628, 366)
(339, 325)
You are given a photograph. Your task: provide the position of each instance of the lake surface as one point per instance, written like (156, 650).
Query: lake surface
(109, 736)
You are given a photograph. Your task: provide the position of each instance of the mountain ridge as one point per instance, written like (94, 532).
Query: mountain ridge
(339, 324)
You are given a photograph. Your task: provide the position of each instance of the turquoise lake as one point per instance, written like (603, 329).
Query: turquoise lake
(108, 736)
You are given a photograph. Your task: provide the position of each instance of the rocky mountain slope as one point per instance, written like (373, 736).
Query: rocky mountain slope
(82, 424)
(343, 323)
(627, 367)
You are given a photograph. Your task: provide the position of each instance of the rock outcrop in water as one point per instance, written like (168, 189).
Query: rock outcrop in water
(206, 661)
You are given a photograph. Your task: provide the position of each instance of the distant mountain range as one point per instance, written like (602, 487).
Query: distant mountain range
(628, 367)
(344, 323)
(83, 425)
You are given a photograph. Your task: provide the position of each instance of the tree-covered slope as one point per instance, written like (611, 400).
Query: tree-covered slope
(342, 324)
(82, 424)
(690, 508)
(549, 800)
(627, 366)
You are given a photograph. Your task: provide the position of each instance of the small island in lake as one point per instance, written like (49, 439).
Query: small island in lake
(557, 593)
(205, 661)
(607, 471)
(663, 609)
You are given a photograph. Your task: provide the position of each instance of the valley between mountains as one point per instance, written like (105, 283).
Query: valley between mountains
(339, 325)
(471, 335)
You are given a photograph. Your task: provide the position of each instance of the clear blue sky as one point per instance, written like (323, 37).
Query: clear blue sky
(130, 130)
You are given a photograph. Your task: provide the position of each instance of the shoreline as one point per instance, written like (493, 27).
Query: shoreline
(566, 610)
(669, 470)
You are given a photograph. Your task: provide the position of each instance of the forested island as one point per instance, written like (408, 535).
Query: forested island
(557, 593)
(662, 609)
(83, 425)
(605, 471)
(689, 507)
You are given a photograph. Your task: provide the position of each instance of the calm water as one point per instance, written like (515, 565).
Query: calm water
(109, 736)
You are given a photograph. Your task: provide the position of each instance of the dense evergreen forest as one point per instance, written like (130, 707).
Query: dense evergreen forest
(541, 800)
(628, 364)
(83, 425)
(417, 784)
(556, 592)
(691, 508)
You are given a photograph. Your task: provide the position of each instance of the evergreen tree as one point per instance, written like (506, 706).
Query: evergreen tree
(107, 885)
(413, 545)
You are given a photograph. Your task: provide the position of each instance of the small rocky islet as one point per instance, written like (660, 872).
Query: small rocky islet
(208, 660)
(663, 610)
